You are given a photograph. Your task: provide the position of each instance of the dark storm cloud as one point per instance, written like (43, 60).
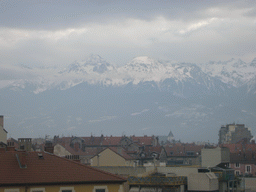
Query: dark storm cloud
(62, 14)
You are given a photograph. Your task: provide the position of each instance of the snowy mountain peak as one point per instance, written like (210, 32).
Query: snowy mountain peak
(143, 59)
(94, 64)
(95, 60)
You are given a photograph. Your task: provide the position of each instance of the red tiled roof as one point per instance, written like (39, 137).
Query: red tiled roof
(111, 140)
(107, 141)
(238, 147)
(248, 157)
(180, 149)
(87, 152)
(49, 170)
(143, 140)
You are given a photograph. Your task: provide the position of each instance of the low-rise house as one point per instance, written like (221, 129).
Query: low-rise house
(244, 163)
(112, 156)
(129, 143)
(11, 142)
(77, 154)
(183, 154)
(151, 156)
(41, 171)
(242, 157)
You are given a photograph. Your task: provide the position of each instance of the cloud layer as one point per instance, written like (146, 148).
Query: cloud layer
(60, 32)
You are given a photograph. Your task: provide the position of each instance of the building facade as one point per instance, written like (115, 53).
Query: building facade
(233, 133)
(3, 132)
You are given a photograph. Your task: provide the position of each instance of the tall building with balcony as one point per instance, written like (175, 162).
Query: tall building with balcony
(232, 133)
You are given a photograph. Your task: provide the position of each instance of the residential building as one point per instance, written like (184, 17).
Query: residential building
(233, 133)
(11, 142)
(203, 182)
(112, 156)
(25, 144)
(77, 154)
(212, 157)
(183, 154)
(84, 148)
(3, 132)
(45, 172)
(242, 158)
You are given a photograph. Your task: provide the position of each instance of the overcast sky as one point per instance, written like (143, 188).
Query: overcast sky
(56, 33)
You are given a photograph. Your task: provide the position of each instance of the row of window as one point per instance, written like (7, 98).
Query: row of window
(62, 189)
(237, 165)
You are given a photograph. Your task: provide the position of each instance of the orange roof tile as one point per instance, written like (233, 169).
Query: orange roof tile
(49, 170)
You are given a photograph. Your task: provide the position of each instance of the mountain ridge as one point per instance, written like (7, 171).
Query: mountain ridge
(96, 70)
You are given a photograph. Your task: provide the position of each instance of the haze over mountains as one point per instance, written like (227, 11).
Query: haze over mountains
(145, 96)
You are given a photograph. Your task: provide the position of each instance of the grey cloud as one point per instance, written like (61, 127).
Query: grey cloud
(63, 14)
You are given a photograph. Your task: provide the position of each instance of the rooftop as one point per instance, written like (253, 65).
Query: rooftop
(45, 168)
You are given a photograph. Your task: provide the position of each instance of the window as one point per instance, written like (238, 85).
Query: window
(11, 190)
(227, 165)
(67, 189)
(237, 164)
(248, 168)
(100, 189)
(37, 190)
(237, 173)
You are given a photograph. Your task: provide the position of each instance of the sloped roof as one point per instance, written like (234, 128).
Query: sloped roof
(87, 152)
(236, 148)
(170, 134)
(49, 170)
(111, 140)
(122, 152)
(243, 157)
(180, 149)
(142, 140)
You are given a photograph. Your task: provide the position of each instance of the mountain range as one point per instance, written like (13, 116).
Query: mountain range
(145, 96)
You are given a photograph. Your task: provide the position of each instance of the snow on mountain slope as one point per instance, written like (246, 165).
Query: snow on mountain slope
(94, 64)
(96, 70)
(234, 72)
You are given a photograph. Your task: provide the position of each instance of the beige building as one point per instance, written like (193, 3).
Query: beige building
(60, 150)
(203, 182)
(112, 156)
(3, 132)
(215, 156)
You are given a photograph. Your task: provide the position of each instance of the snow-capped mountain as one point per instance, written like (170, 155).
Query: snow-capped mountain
(140, 97)
(94, 64)
(234, 72)
(165, 74)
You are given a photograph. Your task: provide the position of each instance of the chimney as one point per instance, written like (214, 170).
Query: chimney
(48, 147)
(2, 120)
(76, 146)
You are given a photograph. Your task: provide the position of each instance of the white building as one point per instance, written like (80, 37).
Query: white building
(3, 132)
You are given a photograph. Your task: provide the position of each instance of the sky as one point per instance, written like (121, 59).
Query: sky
(57, 33)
